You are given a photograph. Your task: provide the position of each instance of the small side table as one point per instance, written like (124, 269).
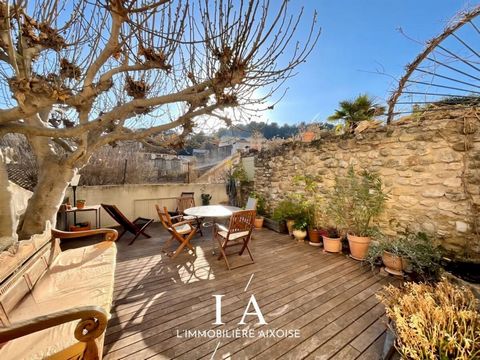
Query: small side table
(94, 208)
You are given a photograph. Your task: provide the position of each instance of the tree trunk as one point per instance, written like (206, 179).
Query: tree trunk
(53, 179)
(7, 230)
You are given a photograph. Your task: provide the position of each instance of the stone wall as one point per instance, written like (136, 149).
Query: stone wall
(429, 163)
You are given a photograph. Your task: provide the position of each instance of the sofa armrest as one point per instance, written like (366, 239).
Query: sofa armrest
(92, 324)
(109, 234)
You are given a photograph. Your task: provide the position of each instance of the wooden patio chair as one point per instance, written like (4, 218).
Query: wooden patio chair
(182, 231)
(239, 232)
(185, 202)
(135, 227)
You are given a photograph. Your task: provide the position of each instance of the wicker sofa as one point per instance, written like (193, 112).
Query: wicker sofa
(55, 304)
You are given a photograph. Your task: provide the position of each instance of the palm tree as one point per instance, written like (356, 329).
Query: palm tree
(353, 112)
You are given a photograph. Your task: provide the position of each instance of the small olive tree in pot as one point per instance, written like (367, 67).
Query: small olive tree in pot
(354, 202)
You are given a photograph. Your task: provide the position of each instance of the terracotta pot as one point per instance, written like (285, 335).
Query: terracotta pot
(290, 224)
(80, 204)
(308, 136)
(358, 246)
(333, 245)
(315, 237)
(299, 235)
(259, 222)
(393, 263)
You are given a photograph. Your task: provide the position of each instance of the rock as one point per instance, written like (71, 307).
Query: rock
(453, 182)
(408, 200)
(433, 193)
(461, 226)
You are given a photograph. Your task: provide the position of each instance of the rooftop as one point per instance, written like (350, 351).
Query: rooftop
(328, 298)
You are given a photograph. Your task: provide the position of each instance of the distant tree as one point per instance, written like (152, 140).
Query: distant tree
(77, 75)
(352, 112)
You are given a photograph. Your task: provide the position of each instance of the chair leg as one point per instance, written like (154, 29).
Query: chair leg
(223, 253)
(168, 243)
(184, 242)
(134, 238)
(199, 226)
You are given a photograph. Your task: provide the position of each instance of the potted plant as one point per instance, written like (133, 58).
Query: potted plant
(392, 253)
(313, 205)
(261, 210)
(206, 199)
(354, 201)
(415, 253)
(432, 321)
(80, 204)
(286, 210)
(332, 241)
(300, 228)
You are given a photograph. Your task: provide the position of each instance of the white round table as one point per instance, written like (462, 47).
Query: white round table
(213, 212)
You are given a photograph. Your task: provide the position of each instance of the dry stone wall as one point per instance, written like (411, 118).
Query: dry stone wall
(429, 163)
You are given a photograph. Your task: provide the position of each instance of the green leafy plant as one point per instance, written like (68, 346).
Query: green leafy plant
(351, 113)
(423, 255)
(261, 203)
(311, 200)
(355, 200)
(206, 199)
(291, 208)
(301, 223)
(438, 321)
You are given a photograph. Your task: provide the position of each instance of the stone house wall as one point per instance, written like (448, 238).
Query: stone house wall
(429, 163)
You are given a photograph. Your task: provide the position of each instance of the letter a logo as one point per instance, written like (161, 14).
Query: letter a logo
(257, 312)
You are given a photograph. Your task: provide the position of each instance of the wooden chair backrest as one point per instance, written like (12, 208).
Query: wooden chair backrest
(251, 204)
(187, 194)
(242, 221)
(164, 217)
(118, 216)
(184, 202)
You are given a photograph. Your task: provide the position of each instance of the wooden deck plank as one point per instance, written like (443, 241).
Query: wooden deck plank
(328, 297)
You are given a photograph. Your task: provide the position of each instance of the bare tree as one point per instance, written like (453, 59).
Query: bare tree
(77, 75)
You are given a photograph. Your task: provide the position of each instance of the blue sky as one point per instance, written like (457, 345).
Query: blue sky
(359, 37)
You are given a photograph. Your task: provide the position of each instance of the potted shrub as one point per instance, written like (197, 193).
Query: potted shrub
(261, 210)
(353, 203)
(80, 204)
(332, 241)
(286, 210)
(432, 321)
(392, 253)
(415, 253)
(300, 228)
(206, 199)
(313, 205)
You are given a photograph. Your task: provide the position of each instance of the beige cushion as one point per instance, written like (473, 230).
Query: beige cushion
(77, 277)
(233, 236)
(182, 229)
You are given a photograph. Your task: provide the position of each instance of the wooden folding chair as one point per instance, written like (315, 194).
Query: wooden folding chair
(185, 202)
(136, 227)
(239, 232)
(182, 231)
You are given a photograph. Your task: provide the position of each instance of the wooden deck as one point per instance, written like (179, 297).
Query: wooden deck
(328, 298)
